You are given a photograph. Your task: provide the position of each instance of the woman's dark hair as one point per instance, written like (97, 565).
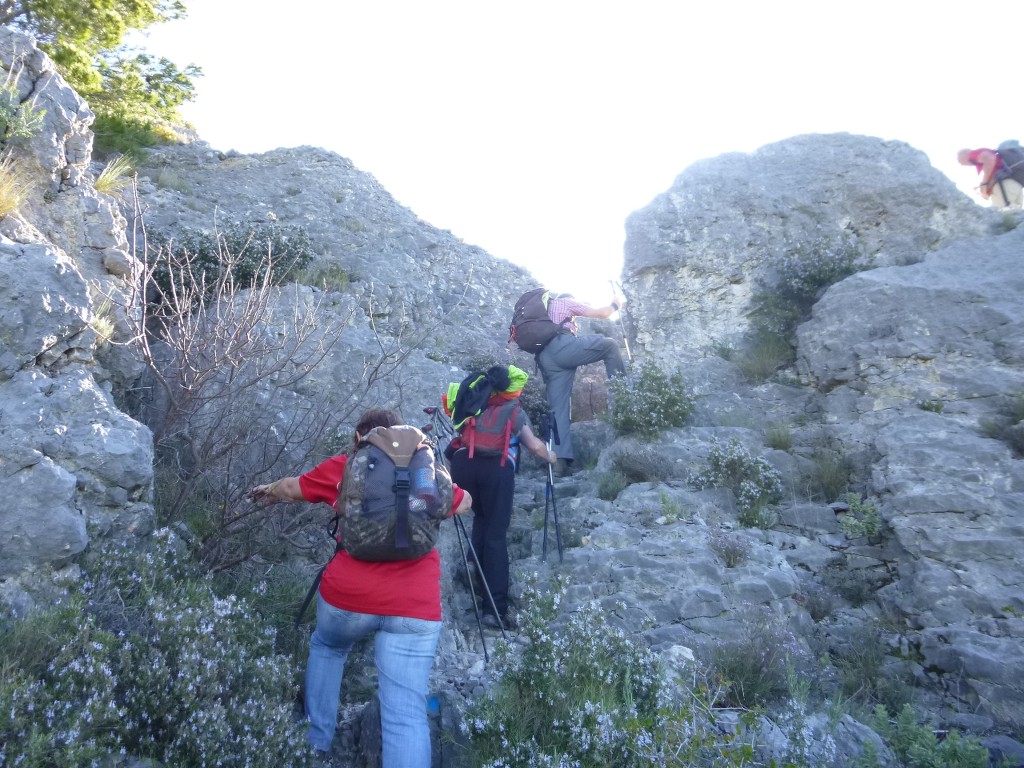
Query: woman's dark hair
(498, 377)
(376, 417)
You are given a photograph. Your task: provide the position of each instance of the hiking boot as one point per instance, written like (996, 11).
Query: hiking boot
(491, 621)
(564, 468)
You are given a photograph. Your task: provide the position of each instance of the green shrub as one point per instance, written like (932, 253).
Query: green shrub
(14, 184)
(569, 693)
(864, 676)
(763, 355)
(856, 585)
(818, 600)
(116, 134)
(610, 485)
(756, 664)
(18, 119)
(1008, 424)
(585, 693)
(275, 596)
(753, 481)
(671, 510)
(831, 476)
(862, 519)
(1007, 223)
(329, 276)
(145, 660)
(247, 249)
(115, 177)
(169, 178)
(919, 746)
(642, 464)
(734, 550)
(802, 275)
(647, 400)
(779, 437)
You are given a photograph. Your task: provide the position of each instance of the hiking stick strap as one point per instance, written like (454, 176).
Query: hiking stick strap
(401, 489)
(309, 596)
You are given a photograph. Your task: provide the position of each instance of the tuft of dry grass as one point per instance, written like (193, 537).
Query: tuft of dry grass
(115, 176)
(14, 183)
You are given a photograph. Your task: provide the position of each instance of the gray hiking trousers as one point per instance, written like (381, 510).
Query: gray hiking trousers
(558, 362)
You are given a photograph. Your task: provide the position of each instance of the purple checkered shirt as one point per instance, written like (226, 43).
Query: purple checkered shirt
(560, 309)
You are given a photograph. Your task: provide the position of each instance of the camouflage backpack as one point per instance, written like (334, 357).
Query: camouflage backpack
(393, 496)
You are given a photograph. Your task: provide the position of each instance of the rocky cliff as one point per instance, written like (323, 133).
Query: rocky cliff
(902, 375)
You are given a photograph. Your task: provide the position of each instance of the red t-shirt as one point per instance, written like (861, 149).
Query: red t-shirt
(396, 588)
(978, 162)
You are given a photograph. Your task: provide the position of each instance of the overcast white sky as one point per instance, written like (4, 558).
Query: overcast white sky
(534, 128)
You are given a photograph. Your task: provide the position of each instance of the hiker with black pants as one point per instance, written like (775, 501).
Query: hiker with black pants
(483, 463)
(398, 601)
(565, 353)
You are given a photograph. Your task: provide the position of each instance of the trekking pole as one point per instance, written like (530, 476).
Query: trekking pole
(465, 542)
(443, 425)
(551, 430)
(617, 289)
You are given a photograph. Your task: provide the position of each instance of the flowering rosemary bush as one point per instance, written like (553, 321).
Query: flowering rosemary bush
(584, 694)
(753, 481)
(647, 400)
(148, 663)
(733, 549)
(564, 697)
(802, 274)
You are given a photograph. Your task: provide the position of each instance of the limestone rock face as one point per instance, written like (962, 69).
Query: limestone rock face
(904, 373)
(411, 279)
(696, 253)
(944, 333)
(69, 457)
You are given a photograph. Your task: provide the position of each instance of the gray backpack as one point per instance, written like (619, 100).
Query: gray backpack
(393, 496)
(1012, 155)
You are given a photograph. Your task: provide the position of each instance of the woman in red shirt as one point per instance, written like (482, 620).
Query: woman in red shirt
(399, 600)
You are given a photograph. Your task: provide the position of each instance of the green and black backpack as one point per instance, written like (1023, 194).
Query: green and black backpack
(483, 428)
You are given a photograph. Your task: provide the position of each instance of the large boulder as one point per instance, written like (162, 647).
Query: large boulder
(695, 254)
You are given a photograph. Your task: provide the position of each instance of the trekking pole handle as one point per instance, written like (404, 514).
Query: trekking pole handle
(618, 297)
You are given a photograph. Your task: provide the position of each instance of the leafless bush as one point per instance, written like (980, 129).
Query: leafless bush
(231, 395)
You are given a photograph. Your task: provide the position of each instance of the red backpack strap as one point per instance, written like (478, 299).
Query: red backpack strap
(508, 434)
(471, 428)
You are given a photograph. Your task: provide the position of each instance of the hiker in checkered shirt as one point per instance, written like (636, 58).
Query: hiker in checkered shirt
(566, 352)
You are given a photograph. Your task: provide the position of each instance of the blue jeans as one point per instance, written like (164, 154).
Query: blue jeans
(404, 650)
